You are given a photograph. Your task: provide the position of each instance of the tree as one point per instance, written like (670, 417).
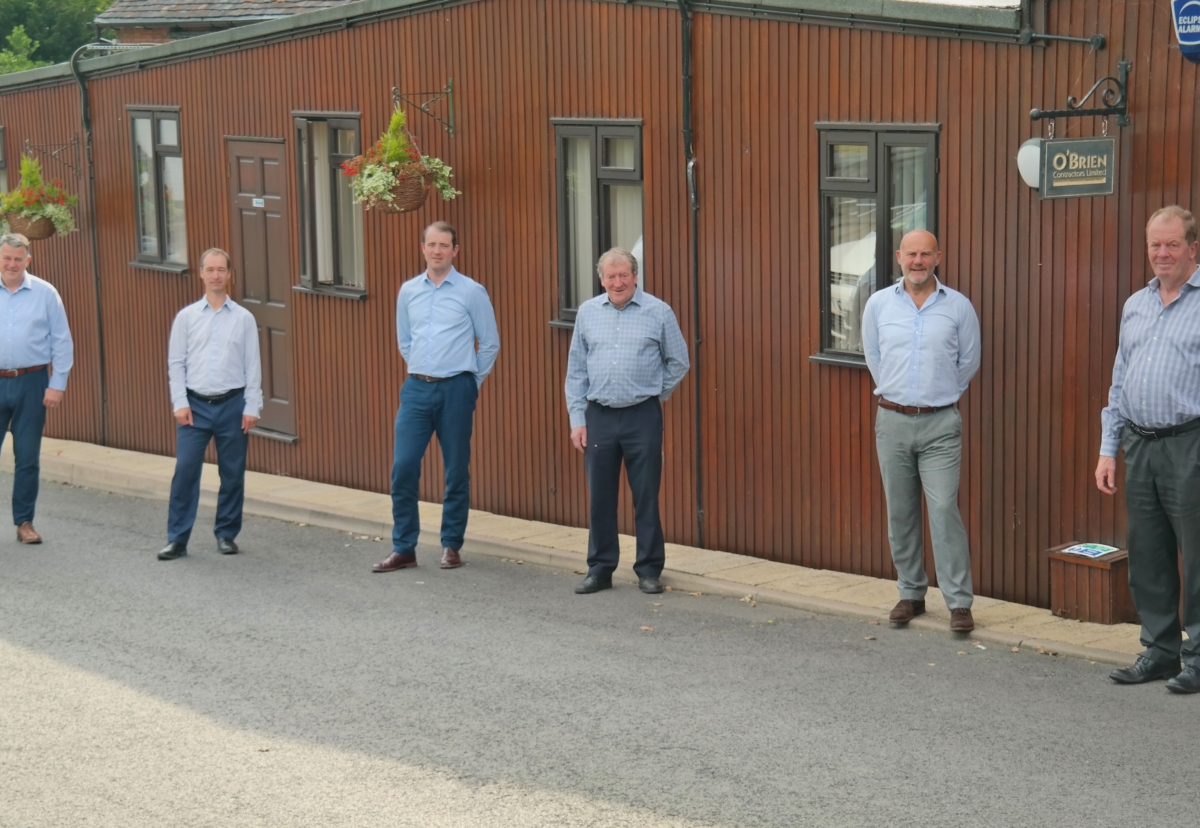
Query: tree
(16, 57)
(58, 27)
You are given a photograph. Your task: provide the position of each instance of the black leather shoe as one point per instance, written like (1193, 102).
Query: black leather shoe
(1186, 682)
(172, 551)
(226, 546)
(1145, 670)
(650, 586)
(593, 583)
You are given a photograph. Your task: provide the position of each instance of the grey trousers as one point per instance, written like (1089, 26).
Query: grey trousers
(924, 452)
(1162, 498)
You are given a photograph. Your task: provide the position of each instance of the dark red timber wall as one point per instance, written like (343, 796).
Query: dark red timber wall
(789, 471)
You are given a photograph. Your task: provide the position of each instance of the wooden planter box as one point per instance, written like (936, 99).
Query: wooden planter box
(1091, 589)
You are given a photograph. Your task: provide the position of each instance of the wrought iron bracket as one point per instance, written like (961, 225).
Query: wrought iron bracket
(415, 99)
(1114, 97)
(55, 151)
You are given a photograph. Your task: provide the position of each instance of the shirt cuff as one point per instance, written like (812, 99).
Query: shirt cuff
(58, 382)
(178, 403)
(1109, 446)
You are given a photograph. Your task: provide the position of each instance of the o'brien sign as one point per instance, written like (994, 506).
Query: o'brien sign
(1075, 167)
(1187, 27)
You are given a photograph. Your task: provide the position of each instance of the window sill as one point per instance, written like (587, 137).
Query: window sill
(562, 324)
(340, 293)
(839, 361)
(160, 267)
(278, 436)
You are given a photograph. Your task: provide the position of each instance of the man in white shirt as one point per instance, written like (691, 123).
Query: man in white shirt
(216, 394)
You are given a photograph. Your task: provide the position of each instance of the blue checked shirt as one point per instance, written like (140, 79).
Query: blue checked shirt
(921, 357)
(214, 351)
(623, 357)
(436, 327)
(33, 330)
(1156, 376)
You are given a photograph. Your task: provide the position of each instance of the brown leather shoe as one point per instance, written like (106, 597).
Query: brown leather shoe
(27, 534)
(961, 620)
(906, 610)
(395, 561)
(450, 558)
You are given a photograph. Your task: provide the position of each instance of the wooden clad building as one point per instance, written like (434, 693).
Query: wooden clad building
(818, 135)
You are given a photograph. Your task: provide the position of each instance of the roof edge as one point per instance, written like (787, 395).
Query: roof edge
(297, 25)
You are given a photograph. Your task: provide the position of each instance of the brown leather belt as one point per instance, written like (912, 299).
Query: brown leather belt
(912, 409)
(427, 378)
(16, 372)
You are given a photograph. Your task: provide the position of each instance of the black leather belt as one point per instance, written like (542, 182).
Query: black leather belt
(219, 398)
(427, 378)
(16, 372)
(912, 409)
(1159, 433)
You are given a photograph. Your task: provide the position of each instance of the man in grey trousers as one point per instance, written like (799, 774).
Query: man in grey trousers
(921, 341)
(1153, 414)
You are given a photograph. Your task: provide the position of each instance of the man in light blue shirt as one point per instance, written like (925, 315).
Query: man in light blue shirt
(36, 355)
(440, 315)
(627, 356)
(1153, 414)
(215, 378)
(921, 341)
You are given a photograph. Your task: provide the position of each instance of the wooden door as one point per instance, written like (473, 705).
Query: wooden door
(260, 246)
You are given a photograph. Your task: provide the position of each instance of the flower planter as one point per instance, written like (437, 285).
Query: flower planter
(407, 195)
(32, 229)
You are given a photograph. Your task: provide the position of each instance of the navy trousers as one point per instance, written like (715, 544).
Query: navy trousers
(22, 408)
(631, 435)
(447, 409)
(221, 422)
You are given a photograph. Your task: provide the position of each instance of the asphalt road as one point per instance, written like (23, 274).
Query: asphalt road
(289, 686)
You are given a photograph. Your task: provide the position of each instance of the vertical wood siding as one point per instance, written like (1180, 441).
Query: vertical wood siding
(788, 445)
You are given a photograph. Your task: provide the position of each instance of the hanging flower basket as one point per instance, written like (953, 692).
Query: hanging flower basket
(37, 209)
(32, 229)
(411, 190)
(394, 176)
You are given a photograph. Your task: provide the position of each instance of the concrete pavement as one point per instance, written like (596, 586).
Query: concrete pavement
(688, 569)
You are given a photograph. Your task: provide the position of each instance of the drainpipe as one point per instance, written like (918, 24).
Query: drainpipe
(85, 106)
(685, 16)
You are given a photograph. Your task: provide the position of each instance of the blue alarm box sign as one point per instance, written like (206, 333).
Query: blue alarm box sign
(1186, 14)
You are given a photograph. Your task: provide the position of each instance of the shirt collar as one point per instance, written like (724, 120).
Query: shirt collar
(204, 304)
(938, 286)
(636, 299)
(452, 277)
(1193, 281)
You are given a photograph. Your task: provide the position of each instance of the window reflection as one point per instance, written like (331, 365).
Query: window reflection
(852, 268)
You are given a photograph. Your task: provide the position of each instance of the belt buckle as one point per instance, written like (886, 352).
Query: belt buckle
(10, 372)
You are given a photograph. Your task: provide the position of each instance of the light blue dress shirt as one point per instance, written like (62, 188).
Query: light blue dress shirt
(922, 357)
(1156, 376)
(620, 358)
(34, 331)
(437, 325)
(215, 351)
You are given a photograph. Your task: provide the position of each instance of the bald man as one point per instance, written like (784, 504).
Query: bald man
(921, 341)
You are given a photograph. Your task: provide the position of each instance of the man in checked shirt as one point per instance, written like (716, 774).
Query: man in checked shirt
(1153, 414)
(627, 356)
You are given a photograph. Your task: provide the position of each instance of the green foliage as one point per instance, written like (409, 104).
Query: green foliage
(36, 198)
(441, 175)
(16, 57)
(394, 144)
(58, 26)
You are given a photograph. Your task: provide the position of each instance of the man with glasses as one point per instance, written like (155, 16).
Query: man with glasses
(36, 354)
(627, 356)
(216, 394)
